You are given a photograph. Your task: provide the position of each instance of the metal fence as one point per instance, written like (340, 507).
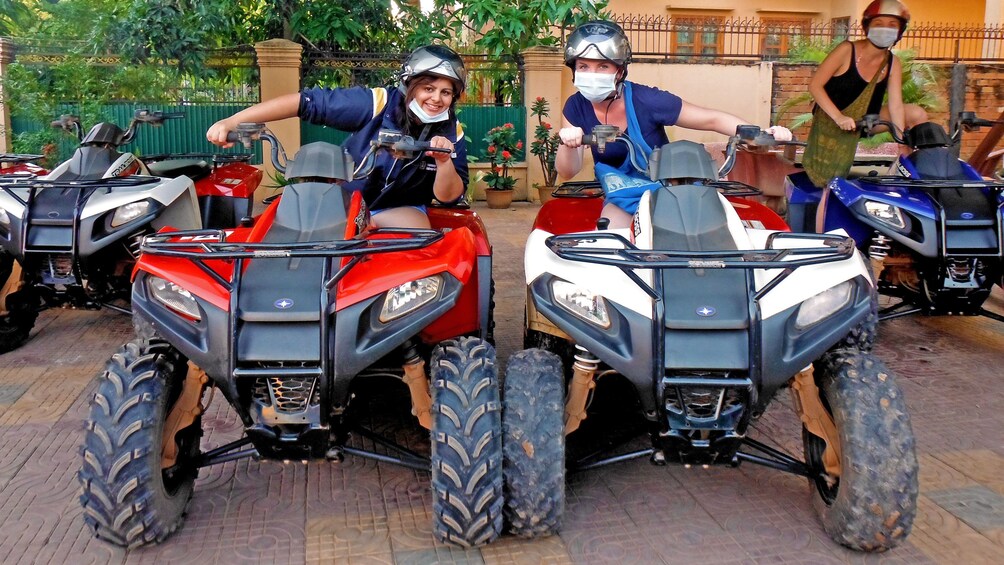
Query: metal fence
(709, 39)
(185, 135)
(490, 80)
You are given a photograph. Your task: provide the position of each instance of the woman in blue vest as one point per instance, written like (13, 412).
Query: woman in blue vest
(598, 52)
(423, 106)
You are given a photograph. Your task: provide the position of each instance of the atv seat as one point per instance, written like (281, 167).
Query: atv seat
(194, 169)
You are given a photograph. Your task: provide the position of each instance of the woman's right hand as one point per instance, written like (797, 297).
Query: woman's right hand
(571, 136)
(217, 133)
(846, 123)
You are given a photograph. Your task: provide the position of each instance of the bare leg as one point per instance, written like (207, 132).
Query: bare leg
(912, 114)
(619, 219)
(403, 217)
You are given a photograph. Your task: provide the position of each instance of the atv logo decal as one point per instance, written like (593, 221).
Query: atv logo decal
(902, 170)
(283, 303)
(967, 215)
(121, 169)
(272, 253)
(706, 311)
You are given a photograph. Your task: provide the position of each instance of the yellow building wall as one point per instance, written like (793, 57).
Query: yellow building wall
(963, 12)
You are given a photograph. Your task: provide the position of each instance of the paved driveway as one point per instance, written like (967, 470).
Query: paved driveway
(364, 512)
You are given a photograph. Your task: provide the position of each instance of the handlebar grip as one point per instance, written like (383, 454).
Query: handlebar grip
(172, 115)
(56, 123)
(233, 137)
(588, 140)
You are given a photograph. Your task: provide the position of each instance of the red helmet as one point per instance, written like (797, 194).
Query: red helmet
(893, 8)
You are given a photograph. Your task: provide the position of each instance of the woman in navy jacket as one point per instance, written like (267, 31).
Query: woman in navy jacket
(422, 106)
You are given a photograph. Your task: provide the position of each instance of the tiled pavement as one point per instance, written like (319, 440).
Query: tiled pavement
(364, 512)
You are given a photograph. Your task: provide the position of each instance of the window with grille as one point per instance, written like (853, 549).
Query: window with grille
(780, 35)
(697, 35)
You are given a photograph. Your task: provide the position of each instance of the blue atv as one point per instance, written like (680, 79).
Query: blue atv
(932, 230)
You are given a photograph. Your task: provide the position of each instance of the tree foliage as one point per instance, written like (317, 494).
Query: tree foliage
(13, 15)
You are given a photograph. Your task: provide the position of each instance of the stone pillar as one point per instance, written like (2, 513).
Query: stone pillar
(543, 69)
(279, 66)
(6, 127)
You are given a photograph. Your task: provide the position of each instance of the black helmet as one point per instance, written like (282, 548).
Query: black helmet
(598, 39)
(436, 60)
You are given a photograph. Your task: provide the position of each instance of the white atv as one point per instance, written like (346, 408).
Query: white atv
(707, 318)
(76, 230)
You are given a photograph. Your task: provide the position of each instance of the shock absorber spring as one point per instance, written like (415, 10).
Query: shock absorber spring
(877, 252)
(583, 381)
(880, 247)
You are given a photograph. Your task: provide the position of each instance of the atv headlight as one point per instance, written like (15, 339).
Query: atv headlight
(409, 296)
(129, 212)
(824, 304)
(587, 305)
(886, 213)
(174, 297)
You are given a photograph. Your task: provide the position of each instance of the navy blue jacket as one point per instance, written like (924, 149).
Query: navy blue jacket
(365, 111)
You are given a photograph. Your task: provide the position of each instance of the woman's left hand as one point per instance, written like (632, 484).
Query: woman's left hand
(780, 133)
(440, 142)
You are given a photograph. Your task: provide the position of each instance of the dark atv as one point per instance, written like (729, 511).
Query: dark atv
(75, 231)
(705, 316)
(286, 317)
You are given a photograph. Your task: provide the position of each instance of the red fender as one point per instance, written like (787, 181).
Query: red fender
(235, 180)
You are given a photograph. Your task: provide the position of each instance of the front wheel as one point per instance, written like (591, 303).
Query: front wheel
(128, 498)
(21, 306)
(872, 504)
(533, 443)
(466, 443)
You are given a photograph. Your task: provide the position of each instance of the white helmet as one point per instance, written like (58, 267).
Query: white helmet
(436, 60)
(598, 39)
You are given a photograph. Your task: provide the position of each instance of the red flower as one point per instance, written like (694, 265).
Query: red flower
(507, 125)
(546, 125)
(540, 99)
(496, 168)
(519, 145)
(491, 149)
(506, 155)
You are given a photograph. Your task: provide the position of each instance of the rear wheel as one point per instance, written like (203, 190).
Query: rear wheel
(872, 504)
(534, 443)
(128, 498)
(466, 443)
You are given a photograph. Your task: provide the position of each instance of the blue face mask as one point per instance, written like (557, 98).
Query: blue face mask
(883, 37)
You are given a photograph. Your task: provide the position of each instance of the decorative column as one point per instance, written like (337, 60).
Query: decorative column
(542, 73)
(279, 63)
(6, 126)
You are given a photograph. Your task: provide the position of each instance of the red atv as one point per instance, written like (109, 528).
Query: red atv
(20, 164)
(285, 316)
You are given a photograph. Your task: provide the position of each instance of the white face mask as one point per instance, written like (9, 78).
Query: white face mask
(596, 87)
(883, 37)
(426, 118)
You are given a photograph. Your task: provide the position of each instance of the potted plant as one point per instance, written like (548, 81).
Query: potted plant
(545, 148)
(502, 147)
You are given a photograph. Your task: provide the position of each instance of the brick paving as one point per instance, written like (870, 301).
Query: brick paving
(360, 511)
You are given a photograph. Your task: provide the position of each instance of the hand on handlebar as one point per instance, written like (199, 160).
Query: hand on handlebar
(440, 142)
(846, 123)
(571, 137)
(780, 133)
(217, 134)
